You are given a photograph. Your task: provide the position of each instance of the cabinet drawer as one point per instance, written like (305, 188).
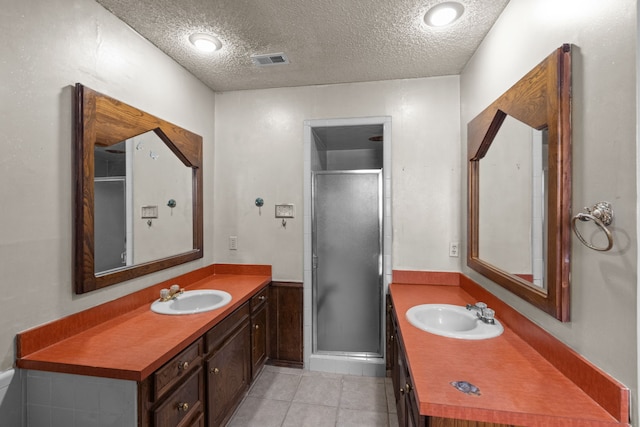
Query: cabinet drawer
(259, 298)
(216, 335)
(183, 405)
(177, 368)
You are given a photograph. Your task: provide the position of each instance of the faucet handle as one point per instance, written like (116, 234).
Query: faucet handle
(164, 293)
(174, 288)
(489, 314)
(481, 305)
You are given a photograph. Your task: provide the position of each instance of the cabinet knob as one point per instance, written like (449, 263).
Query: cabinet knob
(262, 297)
(257, 326)
(407, 387)
(184, 407)
(401, 390)
(183, 365)
(214, 370)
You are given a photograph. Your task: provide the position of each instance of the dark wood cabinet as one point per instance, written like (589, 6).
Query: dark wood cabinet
(174, 394)
(204, 383)
(406, 404)
(390, 335)
(228, 365)
(183, 406)
(259, 331)
(285, 324)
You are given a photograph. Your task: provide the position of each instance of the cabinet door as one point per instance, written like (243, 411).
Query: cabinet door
(390, 336)
(400, 381)
(411, 412)
(228, 375)
(397, 369)
(258, 339)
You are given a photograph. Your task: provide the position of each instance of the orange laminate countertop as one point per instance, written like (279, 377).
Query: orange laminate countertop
(133, 345)
(518, 386)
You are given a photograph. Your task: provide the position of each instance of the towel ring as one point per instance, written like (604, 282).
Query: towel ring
(602, 214)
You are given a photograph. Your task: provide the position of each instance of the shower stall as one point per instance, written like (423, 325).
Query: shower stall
(347, 243)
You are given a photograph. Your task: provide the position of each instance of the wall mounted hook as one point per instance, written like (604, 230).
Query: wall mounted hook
(259, 204)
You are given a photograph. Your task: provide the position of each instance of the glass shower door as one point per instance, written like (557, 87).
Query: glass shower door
(110, 223)
(347, 260)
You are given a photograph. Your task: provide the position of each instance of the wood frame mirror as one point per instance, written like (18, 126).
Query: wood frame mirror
(101, 121)
(541, 100)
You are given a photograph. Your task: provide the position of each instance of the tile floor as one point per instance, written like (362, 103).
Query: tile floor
(287, 397)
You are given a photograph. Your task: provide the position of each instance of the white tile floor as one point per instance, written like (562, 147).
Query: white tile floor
(286, 397)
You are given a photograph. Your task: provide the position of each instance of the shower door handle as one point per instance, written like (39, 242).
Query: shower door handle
(314, 261)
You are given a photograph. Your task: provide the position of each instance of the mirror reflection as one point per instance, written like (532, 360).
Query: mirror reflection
(143, 203)
(512, 235)
(138, 192)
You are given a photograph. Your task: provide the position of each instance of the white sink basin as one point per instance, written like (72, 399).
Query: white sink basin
(190, 302)
(452, 321)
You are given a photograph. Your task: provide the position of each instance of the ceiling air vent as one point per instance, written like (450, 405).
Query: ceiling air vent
(270, 59)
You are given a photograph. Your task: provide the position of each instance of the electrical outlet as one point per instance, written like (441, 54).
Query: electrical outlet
(233, 243)
(454, 249)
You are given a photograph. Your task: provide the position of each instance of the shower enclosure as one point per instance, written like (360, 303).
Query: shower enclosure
(347, 262)
(110, 223)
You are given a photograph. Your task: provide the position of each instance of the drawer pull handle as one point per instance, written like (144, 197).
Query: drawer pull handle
(214, 371)
(184, 407)
(183, 365)
(261, 297)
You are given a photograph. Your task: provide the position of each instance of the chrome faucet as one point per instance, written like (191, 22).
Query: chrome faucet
(169, 294)
(483, 313)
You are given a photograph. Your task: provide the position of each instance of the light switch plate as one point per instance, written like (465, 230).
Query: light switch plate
(149, 211)
(285, 211)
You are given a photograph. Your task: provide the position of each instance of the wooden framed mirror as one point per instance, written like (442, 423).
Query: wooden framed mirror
(519, 187)
(138, 192)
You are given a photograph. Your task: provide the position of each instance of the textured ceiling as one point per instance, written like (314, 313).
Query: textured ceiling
(326, 41)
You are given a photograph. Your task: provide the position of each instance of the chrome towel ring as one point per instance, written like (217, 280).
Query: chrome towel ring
(602, 214)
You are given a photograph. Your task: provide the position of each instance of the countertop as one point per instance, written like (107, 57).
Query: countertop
(132, 345)
(518, 386)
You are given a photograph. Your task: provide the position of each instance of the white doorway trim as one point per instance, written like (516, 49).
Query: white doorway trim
(345, 365)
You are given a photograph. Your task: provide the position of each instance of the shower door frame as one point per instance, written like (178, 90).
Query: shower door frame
(330, 363)
(379, 284)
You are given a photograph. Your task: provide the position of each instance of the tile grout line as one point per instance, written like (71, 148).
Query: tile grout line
(293, 396)
(339, 400)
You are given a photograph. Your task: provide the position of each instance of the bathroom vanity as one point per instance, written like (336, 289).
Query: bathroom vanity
(502, 381)
(184, 370)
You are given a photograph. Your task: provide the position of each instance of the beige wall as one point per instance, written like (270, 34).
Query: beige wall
(158, 176)
(47, 47)
(603, 285)
(259, 153)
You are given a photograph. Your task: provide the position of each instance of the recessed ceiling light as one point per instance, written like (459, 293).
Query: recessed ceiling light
(443, 14)
(205, 42)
